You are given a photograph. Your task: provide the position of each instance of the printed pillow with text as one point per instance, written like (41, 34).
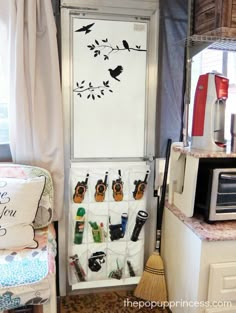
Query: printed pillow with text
(19, 201)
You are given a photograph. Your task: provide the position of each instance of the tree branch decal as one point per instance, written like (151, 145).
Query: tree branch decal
(106, 49)
(91, 91)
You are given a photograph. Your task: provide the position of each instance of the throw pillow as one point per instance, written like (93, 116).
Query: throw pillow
(19, 201)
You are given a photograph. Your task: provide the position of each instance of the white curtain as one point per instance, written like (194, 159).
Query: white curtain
(35, 108)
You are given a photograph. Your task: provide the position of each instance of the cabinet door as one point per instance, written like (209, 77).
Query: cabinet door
(222, 282)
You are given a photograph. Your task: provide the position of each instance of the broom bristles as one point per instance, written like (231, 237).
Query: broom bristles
(152, 285)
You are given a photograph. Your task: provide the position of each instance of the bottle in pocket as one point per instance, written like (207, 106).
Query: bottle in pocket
(79, 226)
(95, 231)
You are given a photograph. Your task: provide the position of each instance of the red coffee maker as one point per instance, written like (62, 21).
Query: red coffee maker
(209, 112)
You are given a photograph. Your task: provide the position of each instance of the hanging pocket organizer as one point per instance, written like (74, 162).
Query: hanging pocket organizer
(106, 255)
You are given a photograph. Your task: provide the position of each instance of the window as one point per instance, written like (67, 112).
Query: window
(223, 62)
(5, 154)
(4, 125)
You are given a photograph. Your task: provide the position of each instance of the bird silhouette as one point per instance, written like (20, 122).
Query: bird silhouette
(126, 45)
(116, 72)
(85, 29)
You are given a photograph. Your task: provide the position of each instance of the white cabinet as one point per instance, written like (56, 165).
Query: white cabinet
(222, 282)
(197, 270)
(221, 310)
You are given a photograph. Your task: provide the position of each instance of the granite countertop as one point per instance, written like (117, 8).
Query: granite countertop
(197, 153)
(218, 231)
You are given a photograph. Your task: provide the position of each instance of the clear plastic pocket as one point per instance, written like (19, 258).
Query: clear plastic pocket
(98, 185)
(118, 221)
(118, 185)
(116, 260)
(97, 262)
(79, 185)
(77, 265)
(137, 220)
(78, 224)
(138, 180)
(97, 224)
(134, 259)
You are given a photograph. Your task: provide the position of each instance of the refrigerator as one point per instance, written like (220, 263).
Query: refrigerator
(109, 79)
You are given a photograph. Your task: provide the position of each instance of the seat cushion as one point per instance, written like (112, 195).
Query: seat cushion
(27, 276)
(28, 266)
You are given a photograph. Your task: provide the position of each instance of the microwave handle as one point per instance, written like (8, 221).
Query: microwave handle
(228, 176)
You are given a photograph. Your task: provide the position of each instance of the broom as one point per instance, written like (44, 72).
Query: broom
(152, 285)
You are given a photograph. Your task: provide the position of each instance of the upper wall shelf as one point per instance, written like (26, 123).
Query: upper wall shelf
(198, 42)
(220, 37)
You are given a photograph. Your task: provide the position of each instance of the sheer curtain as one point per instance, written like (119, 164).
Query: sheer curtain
(35, 104)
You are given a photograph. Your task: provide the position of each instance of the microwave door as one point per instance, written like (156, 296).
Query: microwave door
(223, 198)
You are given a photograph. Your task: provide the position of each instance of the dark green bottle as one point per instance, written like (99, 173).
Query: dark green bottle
(79, 226)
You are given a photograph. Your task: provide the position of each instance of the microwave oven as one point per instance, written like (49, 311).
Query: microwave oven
(216, 191)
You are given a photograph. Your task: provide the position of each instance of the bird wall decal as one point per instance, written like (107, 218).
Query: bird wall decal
(116, 72)
(126, 45)
(85, 29)
(106, 49)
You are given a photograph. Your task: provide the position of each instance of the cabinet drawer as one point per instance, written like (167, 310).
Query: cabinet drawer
(222, 282)
(222, 310)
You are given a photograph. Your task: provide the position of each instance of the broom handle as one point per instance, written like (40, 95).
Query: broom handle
(161, 203)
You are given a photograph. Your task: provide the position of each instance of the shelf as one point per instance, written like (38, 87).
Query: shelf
(196, 43)
(106, 283)
(214, 42)
(221, 38)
